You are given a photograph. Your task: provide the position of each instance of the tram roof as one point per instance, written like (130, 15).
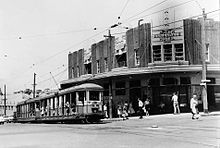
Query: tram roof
(82, 87)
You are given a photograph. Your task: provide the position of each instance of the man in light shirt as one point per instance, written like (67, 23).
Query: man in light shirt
(175, 103)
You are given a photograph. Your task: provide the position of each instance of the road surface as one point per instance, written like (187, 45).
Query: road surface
(171, 131)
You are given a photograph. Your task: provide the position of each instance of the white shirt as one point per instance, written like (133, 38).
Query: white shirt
(193, 104)
(140, 103)
(175, 98)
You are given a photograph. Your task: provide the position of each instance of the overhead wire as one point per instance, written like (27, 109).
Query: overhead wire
(102, 32)
(119, 17)
(158, 11)
(155, 5)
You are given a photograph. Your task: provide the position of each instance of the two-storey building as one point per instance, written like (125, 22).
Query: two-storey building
(152, 62)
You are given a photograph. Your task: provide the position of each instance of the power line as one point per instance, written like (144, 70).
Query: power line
(123, 9)
(145, 10)
(49, 34)
(161, 10)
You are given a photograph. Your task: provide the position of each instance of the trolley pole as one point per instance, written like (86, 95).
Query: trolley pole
(34, 85)
(204, 66)
(5, 100)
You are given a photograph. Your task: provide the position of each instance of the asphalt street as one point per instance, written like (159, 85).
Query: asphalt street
(169, 131)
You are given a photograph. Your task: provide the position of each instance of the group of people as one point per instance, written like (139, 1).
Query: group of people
(143, 107)
(193, 105)
(125, 110)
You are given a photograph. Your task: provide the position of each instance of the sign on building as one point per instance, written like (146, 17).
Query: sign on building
(120, 44)
(167, 38)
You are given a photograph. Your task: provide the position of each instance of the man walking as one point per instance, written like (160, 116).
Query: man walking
(175, 104)
(140, 106)
(194, 107)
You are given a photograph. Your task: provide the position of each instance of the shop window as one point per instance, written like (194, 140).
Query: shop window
(134, 83)
(154, 82)
(120, 88)
(185, 80)
(157, 53)
(169, 81)
(179, 54)
(167, 52)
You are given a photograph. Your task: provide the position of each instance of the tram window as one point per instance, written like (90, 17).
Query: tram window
(94, 95)
(82, 95)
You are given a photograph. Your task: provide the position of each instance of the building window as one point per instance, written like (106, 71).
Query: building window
(179, 54)
(98, 66)
(88, 68)
(78, 71)
(167, 52)
(137, 57)
(121, 60)
(120, 88)
(207, 52)
(72, 72)
(106, 64)
(157, 53)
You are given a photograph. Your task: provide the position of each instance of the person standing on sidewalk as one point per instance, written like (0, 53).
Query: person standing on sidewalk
(175, 104)
(140, 106)
(105, 108)
(194, 107)
(147, 106)
(125, 111)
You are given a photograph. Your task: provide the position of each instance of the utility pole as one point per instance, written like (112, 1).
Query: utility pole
(5, 100)
(204, 66)
(110, 80)
(34, 85)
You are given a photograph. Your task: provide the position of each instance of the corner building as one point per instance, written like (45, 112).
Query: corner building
(152, 62)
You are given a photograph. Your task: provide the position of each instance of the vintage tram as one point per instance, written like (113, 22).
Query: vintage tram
(78, 103)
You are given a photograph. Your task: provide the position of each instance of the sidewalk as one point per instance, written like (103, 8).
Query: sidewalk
(215, 113)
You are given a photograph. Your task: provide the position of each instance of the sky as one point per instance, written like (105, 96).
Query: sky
(37, 35)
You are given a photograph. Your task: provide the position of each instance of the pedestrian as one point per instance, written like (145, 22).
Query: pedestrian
(119, 110)
(175, 104)
(125, 111)
(147, 106)
(194, 107)
(140, 106)
(130, 109)
(105, 110)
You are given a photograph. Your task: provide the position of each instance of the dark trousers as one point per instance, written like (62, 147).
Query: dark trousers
(141, 112)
